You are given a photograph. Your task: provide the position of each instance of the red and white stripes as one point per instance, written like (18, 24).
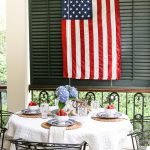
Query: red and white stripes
(91, 48)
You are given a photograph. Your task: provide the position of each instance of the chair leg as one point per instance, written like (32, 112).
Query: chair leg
(2, 141)
(3, 136)
(84, 146)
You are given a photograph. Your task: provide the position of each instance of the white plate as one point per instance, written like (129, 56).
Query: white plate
(106, 116)
(54, 122)
(30, 112)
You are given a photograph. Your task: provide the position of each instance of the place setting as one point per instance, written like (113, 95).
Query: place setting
(32, 111)
(62, 119)
(109, 114)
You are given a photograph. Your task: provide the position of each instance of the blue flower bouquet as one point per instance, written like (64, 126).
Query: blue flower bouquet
(65, 93)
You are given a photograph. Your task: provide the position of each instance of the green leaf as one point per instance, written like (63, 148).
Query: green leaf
(61, 105)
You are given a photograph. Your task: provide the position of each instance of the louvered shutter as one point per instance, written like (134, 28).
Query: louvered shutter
(141, 39)
(46, 51)
(45, 42)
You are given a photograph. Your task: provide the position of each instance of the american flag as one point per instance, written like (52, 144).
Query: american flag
(91, 39)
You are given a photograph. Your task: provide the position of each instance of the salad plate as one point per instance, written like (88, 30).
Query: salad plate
(30, 112)
(105, 115)
(54, 122)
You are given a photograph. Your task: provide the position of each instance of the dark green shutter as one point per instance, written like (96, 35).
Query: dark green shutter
(45, 42)
(141, 39)
(46, 50)
(126, 39)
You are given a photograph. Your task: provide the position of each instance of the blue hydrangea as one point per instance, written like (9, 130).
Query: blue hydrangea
(59, 89)
(73, 93)
(65, 92)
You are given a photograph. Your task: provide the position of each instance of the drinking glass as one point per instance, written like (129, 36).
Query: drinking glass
(82, 111)
(95, 104)
(44, 108)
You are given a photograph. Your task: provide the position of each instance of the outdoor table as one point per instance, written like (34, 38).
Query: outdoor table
(98, 134)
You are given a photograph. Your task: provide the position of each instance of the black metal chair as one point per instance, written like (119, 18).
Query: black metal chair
(141, 140)
(141, 124)
(89, 97)
(4, 116)
(43, 97)
(2, 134)
(114, 96)
(26, 145)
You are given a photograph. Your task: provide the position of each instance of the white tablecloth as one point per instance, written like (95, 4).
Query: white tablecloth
(99, 135)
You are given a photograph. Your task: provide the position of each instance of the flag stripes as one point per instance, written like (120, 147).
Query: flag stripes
(91, 47)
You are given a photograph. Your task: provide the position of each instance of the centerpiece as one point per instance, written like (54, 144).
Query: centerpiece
(63, 94)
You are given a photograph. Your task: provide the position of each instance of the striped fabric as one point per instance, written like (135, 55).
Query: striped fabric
(91, 39)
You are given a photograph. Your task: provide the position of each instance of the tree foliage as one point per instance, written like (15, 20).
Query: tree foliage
(3, 79)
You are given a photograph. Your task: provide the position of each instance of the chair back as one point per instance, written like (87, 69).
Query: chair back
(114, 96)
(43, 97)
(4, 116)
(140, 121)
(141, 140)
(90, 96)
(26, 145)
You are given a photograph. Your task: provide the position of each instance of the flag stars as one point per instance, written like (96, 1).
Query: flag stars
(77, 9)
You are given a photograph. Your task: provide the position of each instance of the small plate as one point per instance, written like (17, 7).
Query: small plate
(54, 122)
(30, 112)
(106, 116)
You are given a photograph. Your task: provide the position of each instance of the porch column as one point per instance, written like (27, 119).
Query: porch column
(17, 53)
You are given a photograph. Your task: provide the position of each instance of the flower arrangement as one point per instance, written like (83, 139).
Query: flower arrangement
(63, 93)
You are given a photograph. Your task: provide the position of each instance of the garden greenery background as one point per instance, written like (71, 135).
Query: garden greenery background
(3, 79)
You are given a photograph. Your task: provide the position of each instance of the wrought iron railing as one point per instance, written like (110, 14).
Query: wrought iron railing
(134, 103)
